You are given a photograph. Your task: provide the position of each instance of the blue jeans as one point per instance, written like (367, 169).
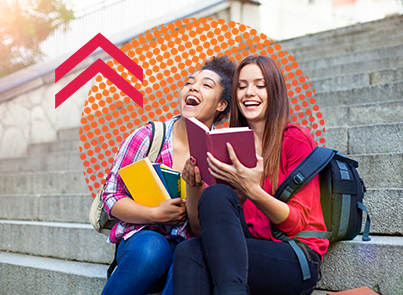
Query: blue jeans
(226, 259)
(144, 265)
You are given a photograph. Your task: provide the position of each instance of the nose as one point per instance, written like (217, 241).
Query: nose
(250, 90)
(194, 87)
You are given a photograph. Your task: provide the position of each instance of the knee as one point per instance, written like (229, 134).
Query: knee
(217, 195)
(150, 246)
(187, 252)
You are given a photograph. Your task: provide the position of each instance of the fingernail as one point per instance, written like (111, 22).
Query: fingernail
(193, 160)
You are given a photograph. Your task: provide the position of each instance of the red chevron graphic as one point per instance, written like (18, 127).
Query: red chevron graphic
(98, 66)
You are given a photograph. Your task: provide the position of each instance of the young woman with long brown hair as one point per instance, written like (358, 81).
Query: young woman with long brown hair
(237, 252)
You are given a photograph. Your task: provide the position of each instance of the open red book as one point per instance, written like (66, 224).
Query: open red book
(202, 140)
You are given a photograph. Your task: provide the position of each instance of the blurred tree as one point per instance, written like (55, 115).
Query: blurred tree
(24, 24)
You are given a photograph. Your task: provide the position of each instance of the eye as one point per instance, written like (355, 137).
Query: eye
(261, 86)
(188, 83)
(241, 87)
(207, 85)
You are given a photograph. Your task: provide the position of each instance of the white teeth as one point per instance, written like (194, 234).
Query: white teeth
(251, 103)
(192, 100)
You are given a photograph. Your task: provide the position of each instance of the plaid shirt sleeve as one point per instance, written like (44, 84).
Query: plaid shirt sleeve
(134, 148)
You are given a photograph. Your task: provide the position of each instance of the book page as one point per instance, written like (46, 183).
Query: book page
(229, 130)
(198, 123)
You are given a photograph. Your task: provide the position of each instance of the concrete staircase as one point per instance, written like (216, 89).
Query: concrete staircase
(48, 247)
(357, 73)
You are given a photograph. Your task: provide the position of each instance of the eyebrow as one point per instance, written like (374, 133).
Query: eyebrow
(258, 79)
(208, 78)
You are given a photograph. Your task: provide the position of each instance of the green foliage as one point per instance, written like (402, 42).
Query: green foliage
(24, 24)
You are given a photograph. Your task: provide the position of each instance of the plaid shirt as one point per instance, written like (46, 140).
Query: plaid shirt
(135, 148)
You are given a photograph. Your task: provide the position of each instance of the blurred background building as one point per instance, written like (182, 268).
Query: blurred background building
(279, 20)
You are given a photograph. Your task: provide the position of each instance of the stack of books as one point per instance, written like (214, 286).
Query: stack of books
(150, 184)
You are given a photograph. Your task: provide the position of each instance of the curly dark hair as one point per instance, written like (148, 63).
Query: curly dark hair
(225, 68)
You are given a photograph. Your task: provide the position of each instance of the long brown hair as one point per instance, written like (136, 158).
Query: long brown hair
(277, 113)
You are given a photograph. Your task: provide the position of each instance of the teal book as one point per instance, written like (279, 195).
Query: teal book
(173, 181)
(157, 169)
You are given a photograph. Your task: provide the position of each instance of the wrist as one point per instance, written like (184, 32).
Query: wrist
(154, 215)
(253, 191)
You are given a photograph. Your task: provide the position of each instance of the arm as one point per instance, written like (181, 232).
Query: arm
(117, 200)
(166, 212)
(305, 204)
(194, 189)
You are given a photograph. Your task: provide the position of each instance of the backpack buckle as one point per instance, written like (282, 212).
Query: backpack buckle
(298, 178)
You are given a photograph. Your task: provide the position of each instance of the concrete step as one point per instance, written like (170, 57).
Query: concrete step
(352, 264)
(363, 114)
(345, 42)
(48, 182)
(349, 58)
(385, 210)
(54, 147)
(366, 139)
(27, 275)
(72, 241)
(47, 207)
(359, 30)
(381, 170)
(356, 80)
(336, 46)
(355, 67)
(367, 94)
(383, 205)
(44, 162)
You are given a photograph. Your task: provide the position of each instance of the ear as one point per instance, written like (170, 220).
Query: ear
(222, 104)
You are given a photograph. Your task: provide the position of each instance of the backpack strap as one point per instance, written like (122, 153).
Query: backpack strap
(304, 172)
(303, 261)
(301, 175)
(158, 131)
(314, 234)
(365, 234)
(114, 262)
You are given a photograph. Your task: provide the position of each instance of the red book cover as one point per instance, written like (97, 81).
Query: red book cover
(201, 140)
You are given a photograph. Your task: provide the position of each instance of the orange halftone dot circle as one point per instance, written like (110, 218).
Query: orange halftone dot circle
(168, 54)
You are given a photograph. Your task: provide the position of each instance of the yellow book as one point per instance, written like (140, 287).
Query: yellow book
(143, 183)
(183, 189)
(183, 183)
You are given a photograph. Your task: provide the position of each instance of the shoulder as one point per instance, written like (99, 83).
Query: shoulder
(144, 134)
(139, 134)
(169, 125)
(297, 140)
(296, 135)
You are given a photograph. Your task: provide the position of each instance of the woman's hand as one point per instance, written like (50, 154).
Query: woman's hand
(242, 178)
(191, 173)
(168, 212)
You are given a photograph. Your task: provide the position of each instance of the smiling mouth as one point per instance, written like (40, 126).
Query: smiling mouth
(251, 104)
(192, 100)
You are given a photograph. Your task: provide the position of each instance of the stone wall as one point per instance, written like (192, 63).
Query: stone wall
(31, 117)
